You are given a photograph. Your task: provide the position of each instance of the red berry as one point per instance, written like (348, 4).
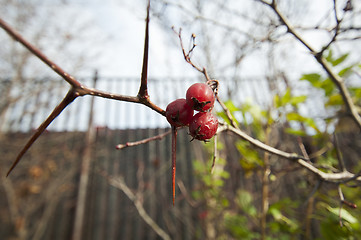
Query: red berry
(203, 126)
(179, 113)
(200, 97)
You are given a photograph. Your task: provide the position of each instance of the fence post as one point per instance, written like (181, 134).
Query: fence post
(84, 171)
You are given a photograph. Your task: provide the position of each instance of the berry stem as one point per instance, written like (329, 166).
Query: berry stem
(174, 155)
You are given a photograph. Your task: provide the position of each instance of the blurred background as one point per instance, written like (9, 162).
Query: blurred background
(74, 184)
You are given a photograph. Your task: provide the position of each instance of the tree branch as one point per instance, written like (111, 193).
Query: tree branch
(143, 141)
(336, 79)
(17, 37)
(120, 184)
(338, 177)
(69, 98)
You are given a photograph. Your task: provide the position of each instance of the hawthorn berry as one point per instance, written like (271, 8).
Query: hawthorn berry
(200, 97)
(179, 113)
(203, 126)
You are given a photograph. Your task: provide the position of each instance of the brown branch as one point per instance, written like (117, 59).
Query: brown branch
(69, 98)
(338, 177)
(143, 90)
(336, 29)
(336, 79)
(143, 141)
(98, 93)
(17, 37)
(77, 88)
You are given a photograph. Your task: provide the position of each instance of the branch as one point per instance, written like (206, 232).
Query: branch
(78, 89)
(69, 98)
(336, 79)
(338, 177)
(120, 184)
(143, 141)
(17, 37)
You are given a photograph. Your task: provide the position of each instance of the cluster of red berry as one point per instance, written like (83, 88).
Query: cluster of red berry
(199, 97)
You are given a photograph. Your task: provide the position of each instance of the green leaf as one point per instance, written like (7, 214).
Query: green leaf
(345, 71)
(334, 100)
(293, 116)
(339, 60)
(345, 215)
(251, 157)
(313, 78)
(276, 101)
(329, 57)
(298, 99)
(286, 98)
(231, 107)
(328, 86)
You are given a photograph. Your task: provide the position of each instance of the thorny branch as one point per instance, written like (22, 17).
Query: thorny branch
(77, 89)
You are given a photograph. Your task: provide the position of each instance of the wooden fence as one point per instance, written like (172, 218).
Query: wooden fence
(74, 184)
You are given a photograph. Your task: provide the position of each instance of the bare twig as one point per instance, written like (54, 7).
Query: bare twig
(119, 183)
(336, 79)
(303, 149)
(341, 163)
(342, 199)
(205, 73)
(336, 29)
(17, 37)
(143, 141)
(215, 152)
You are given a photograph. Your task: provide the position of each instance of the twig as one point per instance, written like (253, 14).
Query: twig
(336, 79)
(205, 73)
(174, 158)
(303, 149)
(215, 153)
(119, 183)
(143, 141)
(336, 29)
(339, 177)
(17, 37)
(342, 199)
(185, 193)
(341, 163)
(314, 190)
(77, 89)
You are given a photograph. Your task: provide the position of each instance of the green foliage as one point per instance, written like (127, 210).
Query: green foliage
(237, 215)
